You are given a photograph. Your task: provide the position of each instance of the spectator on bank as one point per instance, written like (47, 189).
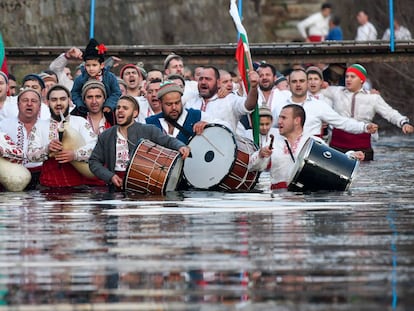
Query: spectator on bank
(315, 27)
(335, 31)
(400, 32)
(366, 30)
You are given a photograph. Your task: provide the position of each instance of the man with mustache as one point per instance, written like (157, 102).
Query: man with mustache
(227, 110)
(174, 119)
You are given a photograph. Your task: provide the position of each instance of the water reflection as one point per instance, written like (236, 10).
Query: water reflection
(212, 251)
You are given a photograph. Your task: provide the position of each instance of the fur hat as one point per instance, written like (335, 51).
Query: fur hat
(93, 84)
(94, 50)
(359, 70)
(168, 87)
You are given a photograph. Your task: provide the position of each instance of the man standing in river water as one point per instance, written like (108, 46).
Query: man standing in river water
(115, 146)
(354, 102)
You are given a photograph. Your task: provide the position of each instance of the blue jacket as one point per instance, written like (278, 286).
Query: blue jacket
(193, 117)
(335, 34)
(113, 92)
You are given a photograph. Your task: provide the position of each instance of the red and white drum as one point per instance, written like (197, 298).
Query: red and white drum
(219, 160)
(320, 167)
(153, 169)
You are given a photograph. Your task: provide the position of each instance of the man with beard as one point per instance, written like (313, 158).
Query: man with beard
(116, 146)
(227, 110)
(26, 125)
(268, 92)
(174, 120)
(57, 171)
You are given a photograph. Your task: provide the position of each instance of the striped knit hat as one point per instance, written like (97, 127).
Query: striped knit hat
(168, 87)
(359, 70)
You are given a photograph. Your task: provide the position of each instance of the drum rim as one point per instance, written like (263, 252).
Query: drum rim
(230, 167)
(164, 184)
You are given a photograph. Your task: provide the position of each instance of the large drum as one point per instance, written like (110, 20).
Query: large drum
(153, 169)
(219, 160)
(320, 167)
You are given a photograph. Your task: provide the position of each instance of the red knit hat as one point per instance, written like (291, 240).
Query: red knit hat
(121, 73)
(359, 70)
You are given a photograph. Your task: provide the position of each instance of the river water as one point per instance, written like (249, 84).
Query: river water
(90, 250)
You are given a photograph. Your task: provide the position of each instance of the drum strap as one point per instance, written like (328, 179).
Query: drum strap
(182, 129)
(290, 150)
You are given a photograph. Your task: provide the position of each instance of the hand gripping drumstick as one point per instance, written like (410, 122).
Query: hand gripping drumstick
(272, 138)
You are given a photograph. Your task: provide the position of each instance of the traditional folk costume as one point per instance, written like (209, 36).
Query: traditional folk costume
(281, 162)
(55, 174)
(186, 121)
(113, 151)
(362, 106)
(226, 111)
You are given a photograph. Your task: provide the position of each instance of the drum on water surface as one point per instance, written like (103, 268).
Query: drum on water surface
(219, 160)
(153, 169)
(320, 167)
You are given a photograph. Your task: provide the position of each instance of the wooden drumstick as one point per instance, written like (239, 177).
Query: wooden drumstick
(272, 138)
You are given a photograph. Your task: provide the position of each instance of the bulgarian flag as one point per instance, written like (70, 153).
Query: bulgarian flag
(3, 63)
(244, 62)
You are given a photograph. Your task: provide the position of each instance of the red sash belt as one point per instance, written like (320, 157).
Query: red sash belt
(345, 140)
(315, 38)
(279, 185)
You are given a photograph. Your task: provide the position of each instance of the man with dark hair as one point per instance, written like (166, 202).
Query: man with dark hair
(57, 170)
(315, 27)
(335, 31)
(282, 155)
(116, 146)
(227, 110)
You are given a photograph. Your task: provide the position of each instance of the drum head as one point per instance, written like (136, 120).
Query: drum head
(212, 156)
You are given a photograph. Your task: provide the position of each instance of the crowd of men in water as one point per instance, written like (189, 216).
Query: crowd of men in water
(104, 116)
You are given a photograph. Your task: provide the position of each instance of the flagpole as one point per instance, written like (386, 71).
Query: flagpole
(92, 20)
(245, 64)
(392, 34)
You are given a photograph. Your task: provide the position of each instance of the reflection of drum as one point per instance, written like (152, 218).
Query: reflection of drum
(220, 159)
(320, 167)
(153, 169)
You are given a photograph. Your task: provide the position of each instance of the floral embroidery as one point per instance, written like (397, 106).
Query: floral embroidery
(293, 148)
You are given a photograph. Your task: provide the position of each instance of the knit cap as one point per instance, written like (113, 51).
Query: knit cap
(168, 87)
(359, 70)
(34, 77)
(93, 84)
(121, 72)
